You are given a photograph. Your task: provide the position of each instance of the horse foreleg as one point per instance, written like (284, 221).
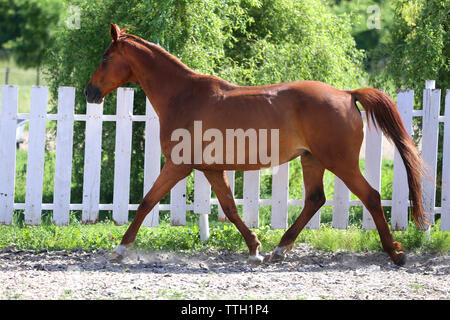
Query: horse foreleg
(221, 187)
(169, 176)
(314, 199)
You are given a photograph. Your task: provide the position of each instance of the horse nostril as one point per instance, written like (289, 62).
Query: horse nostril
(92, 94)
(88, 90)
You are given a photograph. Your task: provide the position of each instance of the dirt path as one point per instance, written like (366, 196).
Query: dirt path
(306, 274)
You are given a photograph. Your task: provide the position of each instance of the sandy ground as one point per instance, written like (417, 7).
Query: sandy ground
(307, 273)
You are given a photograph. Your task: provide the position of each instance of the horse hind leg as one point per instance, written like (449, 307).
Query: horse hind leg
(314, 199)
(371, 199)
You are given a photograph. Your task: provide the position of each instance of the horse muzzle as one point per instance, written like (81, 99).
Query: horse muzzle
(93, 94)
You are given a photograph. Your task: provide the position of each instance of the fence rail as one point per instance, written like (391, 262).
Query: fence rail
(178, 206)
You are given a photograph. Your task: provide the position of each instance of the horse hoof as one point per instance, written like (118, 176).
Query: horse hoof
(278, 255)
(115, 257)
(118, 254)
(256, 259)
(401, 262)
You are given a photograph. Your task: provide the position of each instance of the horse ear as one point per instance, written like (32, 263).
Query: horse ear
(114, 31)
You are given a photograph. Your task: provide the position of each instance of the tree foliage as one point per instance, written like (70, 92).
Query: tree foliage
(420, 45)
(372, 22)
(27, 28)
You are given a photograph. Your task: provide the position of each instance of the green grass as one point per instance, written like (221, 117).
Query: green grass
(223, 236)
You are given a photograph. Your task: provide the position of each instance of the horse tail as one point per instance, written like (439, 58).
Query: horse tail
(380, 107)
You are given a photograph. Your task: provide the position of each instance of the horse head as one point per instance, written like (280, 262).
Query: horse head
(114, 69)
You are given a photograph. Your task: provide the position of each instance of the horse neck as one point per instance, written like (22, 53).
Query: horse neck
(160, 75)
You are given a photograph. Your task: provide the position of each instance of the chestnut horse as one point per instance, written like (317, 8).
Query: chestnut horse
(316, 121)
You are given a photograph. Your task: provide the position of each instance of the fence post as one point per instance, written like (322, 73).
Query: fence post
(122, 155)
(7, 75)
(400, 190)
(445, 203)
(63, 158)
(341, 204)
(8, 123)
(92, 163)
(372, 167)
(280, 195)
(36, 155)
(178, 204)
(152, 160)
(430, 134)
(202, 202)
(250, 207)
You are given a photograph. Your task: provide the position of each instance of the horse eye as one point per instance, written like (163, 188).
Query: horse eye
(106, 59)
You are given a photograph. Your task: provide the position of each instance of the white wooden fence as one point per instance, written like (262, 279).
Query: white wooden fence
(251, 201)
